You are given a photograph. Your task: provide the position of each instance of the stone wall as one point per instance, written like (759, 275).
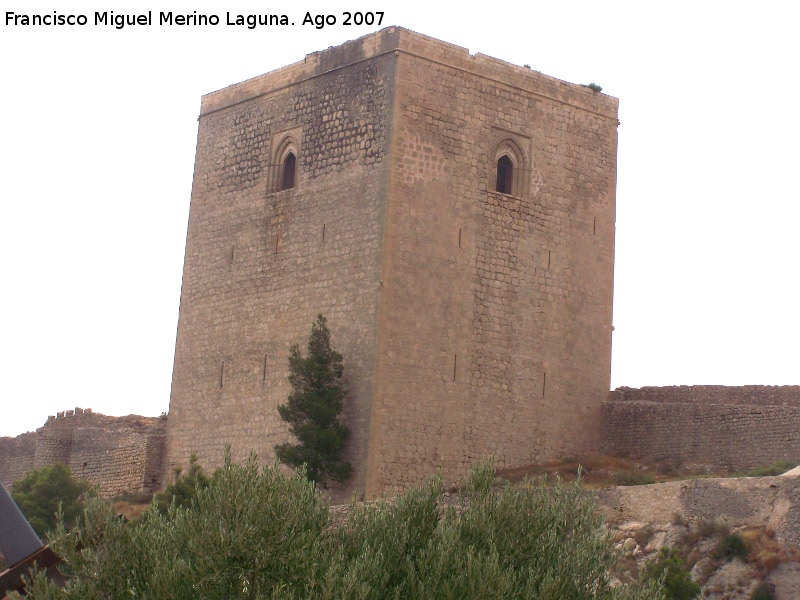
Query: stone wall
(732, 428)
(495, 313)
(119, 454)
(751, 395)
(262, 262)
(17, 457)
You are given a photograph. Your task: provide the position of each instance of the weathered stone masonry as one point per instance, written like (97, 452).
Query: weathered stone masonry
(726, 427)
(472, 322)
(119, 454)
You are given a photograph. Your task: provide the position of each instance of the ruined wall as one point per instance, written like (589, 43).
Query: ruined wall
(16, 457)
(727, 427)
(119, 454)
(495, 320)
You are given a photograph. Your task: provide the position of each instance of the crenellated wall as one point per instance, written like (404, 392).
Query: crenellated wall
(118, 454)
(733, 428)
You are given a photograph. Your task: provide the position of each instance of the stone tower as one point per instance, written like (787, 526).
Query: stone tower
(453, 218)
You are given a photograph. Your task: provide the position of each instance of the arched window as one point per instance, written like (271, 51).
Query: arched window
(505, 175)
(288, 171)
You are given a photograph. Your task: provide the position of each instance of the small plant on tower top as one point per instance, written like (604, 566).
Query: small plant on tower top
(313, 408)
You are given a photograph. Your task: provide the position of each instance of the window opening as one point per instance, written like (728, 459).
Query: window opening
(288, 171)
(505, 173)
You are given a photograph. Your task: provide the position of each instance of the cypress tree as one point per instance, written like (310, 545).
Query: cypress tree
(313, 408)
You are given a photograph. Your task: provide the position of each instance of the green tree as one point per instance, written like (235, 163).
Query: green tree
(313, 408)
(184, 489)
(40, 493)
(250, 534)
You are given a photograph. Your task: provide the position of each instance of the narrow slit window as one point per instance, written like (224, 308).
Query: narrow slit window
(505, 174)
(288, 171)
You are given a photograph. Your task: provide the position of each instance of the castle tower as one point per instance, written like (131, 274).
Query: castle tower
(453, 218)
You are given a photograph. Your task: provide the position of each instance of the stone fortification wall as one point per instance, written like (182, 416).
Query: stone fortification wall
(750, 395)
(17, 457)
(118, 454)
(726, 427)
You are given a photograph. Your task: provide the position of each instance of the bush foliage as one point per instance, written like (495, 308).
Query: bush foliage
(670, 568)
(41, 492)
(732, 546)
(264, 534)
(313, 408)
(762, 591)
(183, 491)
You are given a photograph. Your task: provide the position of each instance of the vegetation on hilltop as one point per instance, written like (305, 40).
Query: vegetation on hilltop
(265, 534)
(43, 492)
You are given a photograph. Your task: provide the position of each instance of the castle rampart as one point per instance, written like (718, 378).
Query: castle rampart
(726, 427)
(118, 454)
(750, 395)
(17, 457)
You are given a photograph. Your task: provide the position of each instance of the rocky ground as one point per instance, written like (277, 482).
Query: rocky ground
(700, 517)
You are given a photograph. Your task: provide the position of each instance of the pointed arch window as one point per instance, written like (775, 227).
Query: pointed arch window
(505, 175)
(289, 164)
(286, 161)
(508, 166)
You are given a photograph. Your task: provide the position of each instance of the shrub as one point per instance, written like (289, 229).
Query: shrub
(763, 550)
(732, 546)
(777, 468)
(266, 535)
(712, 527)
(669, 565)
(762, 591)
(249, 534)
(185, 489)
(633, 478)
(41, 492)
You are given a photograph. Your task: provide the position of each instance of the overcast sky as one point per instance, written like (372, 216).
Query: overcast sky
(98, 135)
